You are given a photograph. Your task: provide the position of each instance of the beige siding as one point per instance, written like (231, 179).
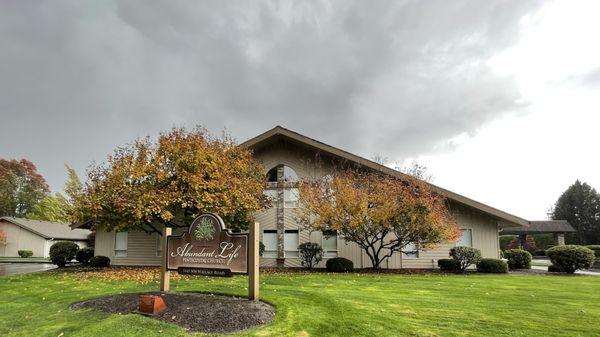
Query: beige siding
(18, 238)
(141, 248)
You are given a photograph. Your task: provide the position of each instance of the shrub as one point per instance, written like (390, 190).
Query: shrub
(595, 249)
(63, 252)
(570, 258)
(518, 259)
(539, 252)
(25, 253)
(84, 255)
(339, 265)
(310, 254)
(554, 269)
(99, 261)
(448, 265)
(494, 266)
(261, 248)
(465, 256)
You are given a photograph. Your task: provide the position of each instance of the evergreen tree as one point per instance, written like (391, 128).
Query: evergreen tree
(580, 205)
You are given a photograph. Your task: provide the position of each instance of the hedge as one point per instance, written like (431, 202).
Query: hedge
(25, 253)
(595, 249)
(448, 265)
(63, 252)
(339, 265)
(518, 259)
(494, 266)
(570, 258)
(466, 256)
(99, 261)
(84, 255)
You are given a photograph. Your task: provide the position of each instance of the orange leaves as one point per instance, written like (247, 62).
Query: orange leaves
(180, 175)
(370, 207)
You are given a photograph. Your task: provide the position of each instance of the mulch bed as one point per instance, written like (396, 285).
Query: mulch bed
(194, 312)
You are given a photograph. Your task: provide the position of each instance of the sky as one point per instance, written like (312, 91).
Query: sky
(499, 99)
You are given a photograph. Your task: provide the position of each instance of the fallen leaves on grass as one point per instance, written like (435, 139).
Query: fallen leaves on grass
(138, 274)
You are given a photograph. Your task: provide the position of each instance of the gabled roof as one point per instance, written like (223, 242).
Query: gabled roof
(48, 229)
(547, 226)
(279, 131)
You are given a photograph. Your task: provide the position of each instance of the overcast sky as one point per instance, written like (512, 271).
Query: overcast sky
(500, 99)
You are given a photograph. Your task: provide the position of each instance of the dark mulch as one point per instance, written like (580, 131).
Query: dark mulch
(193, 311)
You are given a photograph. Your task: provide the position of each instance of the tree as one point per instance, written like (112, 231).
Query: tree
(146, 185)
(51, 208)
(58, 208)
(580, 205)
(381, 214)
(21, 187)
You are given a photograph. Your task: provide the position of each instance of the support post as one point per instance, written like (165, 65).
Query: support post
(253, 263)
(164, 273)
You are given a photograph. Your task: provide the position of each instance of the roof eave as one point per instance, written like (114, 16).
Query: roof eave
(279, 130)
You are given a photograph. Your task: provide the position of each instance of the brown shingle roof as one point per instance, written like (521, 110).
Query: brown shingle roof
(49, 230)
(547, 226)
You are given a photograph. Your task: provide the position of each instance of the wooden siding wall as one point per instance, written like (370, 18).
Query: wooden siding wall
(141, 248)
(18, 238)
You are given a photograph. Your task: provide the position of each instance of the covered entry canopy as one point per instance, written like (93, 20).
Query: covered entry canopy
(541, 227)
(556, 227)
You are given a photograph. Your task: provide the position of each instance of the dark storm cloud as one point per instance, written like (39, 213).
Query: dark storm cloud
(79, 78)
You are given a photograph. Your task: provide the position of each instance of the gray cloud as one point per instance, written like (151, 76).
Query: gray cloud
(79, 78)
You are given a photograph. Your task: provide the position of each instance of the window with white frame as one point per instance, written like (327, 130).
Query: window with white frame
(290, 198)
(120, 244)
(271, 194)
(329, 244)
(270, 242)
(291, 240)
(466, 238)
(410, 251)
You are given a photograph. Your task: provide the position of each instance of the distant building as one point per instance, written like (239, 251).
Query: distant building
(37, 236)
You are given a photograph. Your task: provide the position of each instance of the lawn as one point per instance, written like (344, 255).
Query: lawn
(325, 305)
(24, 259)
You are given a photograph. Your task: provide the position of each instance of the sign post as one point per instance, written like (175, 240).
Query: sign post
(208, 249)
(164, 272)
(253, 264)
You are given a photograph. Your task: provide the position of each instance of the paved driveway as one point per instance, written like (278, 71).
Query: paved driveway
(7, 269)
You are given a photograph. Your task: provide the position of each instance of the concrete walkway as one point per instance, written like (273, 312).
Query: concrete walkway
(7, 269)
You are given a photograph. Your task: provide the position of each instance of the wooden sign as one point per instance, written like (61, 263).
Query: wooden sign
(207, 248)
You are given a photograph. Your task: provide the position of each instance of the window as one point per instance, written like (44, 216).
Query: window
(270, 242)
(271, 194)
(466, 239)
(290, 242)
(290, 198)
(120, 244)
(329, 244)
(289, 175)
(271, 176)
(412, 251)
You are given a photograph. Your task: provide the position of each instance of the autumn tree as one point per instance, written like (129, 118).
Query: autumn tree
(170, 181)
(382, 214)
(21, 187)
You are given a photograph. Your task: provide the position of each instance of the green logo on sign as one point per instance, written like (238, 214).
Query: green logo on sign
(205, 230)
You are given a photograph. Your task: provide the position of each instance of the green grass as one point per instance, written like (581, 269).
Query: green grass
(327, 305)
(21, 259)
